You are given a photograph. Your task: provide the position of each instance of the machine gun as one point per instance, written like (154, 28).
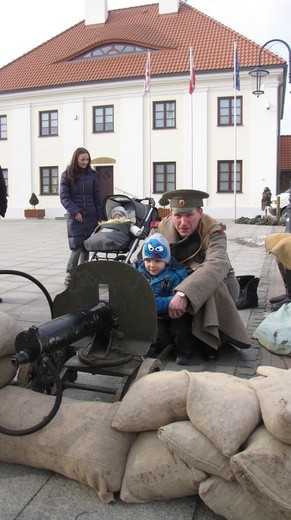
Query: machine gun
(103, 323)
(38, 344)
(61, 332)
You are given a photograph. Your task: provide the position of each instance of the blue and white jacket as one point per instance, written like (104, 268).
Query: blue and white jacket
(164, 283)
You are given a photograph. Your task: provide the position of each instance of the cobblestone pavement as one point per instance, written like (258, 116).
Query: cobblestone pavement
(39, 248)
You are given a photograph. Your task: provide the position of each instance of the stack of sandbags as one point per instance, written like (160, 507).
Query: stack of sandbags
(9, 328)
(78, 443)
(263, 468)
(189, 425)
(153, 472)
(203, 433)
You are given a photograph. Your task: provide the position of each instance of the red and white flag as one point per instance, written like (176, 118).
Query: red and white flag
(192, 73)
(147, 78)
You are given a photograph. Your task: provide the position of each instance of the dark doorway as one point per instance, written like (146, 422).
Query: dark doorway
(105, 176)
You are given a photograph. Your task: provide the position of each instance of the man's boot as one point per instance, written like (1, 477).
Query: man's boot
(277, 299)
(248, 298)
(287, 296)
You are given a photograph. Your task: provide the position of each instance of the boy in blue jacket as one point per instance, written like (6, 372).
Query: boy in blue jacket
(164, 273)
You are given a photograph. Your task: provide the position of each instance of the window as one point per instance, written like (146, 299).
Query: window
(164, 114)
(225, 176)
(103, 120)
(3, 127)
(49, 180)
(48, 123)
(111, 50)
(225, 111)
(164, 177)
(5, 175)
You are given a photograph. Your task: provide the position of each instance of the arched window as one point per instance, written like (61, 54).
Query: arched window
(111, 50)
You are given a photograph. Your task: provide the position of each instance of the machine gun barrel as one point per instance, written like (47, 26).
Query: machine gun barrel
(60, 332)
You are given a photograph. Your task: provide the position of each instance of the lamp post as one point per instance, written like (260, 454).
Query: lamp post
(259, 73)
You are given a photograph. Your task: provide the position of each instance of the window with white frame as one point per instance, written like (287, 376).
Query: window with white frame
(103, 119)
(48, 123)
(225, 176)
(225, 111)
(164, 114)
(3, 127)
(164, 177)
(49, 180)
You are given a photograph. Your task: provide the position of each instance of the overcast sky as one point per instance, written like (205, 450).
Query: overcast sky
(26, 24)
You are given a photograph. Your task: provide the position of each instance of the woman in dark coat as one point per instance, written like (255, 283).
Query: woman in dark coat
(3, 198)
(80, 195)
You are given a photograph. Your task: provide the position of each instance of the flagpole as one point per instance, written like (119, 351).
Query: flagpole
(150, 142)
(191, 90)
(234, 123)
(147, 90)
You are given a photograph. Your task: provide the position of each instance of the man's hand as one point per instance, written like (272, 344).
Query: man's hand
(177, 307)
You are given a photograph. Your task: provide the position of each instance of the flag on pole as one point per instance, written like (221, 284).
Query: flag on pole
(236, 81)
(147, 78)
(192, 73)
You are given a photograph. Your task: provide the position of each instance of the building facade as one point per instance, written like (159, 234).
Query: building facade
(85, 87)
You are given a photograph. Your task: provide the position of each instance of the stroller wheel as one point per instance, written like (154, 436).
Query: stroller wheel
(149, 366)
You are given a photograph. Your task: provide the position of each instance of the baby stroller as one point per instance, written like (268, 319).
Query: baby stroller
(119, 239)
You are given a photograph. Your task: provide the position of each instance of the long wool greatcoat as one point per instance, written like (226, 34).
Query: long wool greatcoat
(215, 316)
(82, 196)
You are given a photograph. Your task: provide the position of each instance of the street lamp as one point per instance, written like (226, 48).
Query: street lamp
(259, 73)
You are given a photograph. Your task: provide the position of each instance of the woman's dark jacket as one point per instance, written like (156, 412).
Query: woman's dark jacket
(83, 196)
(3, 195)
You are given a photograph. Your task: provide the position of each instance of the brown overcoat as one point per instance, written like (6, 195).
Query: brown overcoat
(215, 317)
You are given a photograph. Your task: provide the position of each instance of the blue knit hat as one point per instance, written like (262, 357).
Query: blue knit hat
(157, 247)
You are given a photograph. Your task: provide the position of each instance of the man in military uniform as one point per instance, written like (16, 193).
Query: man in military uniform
(210, 291)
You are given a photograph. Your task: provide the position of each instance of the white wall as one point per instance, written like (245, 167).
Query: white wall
(134, 147)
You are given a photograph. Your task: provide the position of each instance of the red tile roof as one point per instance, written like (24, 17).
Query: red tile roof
(171, 34)
(285, 152)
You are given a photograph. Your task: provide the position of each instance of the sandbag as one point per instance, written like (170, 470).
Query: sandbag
(191, 446)
(153, 473)
(263, 469)
(224, 408)
(153, 401)
(274, 333)
(274, 395)
(7, 371)
(78, 443)
(9, 328)
(229, 500)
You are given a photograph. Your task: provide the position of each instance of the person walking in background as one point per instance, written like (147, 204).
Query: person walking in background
(81, 197)
(3, 198)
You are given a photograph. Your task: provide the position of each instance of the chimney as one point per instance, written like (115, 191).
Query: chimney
(168, 6)
(96, 11)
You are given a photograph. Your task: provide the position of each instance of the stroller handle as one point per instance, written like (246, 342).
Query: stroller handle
(150, 199)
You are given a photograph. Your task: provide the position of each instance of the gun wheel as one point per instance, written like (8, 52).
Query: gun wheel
(149, 366)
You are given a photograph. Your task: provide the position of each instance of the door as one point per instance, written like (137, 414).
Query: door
(105, 176)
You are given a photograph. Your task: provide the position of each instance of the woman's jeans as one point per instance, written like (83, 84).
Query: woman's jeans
(78, 256)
